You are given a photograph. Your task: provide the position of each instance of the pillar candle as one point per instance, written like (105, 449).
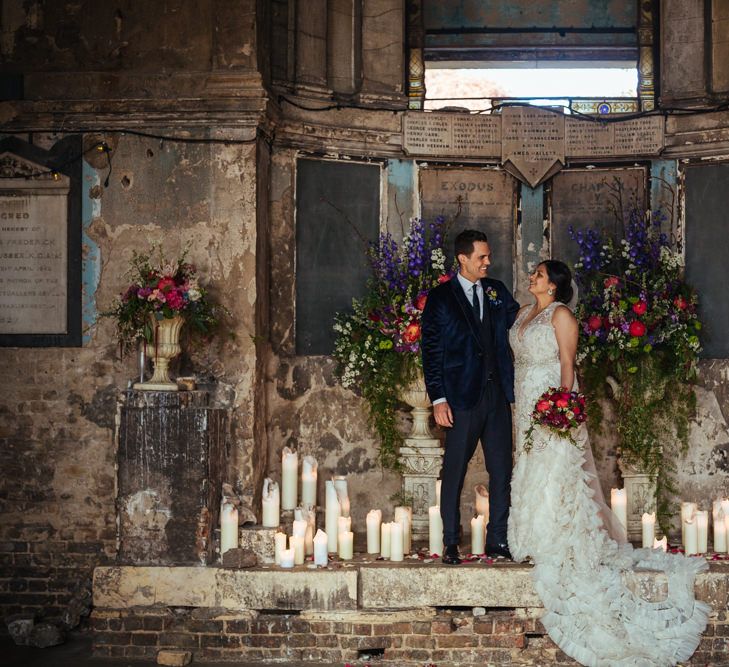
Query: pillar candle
(308, 481)
(374, 519)
(724, 502)
(344, 524)
(690, 532)
(726, 532)
(320, 548)
(396, 542)
(271, 504)
(296, 542)
(404, 515)
(661, 544)
(228, 527)
(687, 512)
(702, 530)
(648, 522)
(482, 501)
(345, 542)
(720, 541)
(385, 541)
(279, 545)
(619, 505)
(289, 478)
(287, 558)
(331, 515)
(299, 528)
(478, 535)
(340, 484)
(435, 531)
(308, 516)
(438, 483)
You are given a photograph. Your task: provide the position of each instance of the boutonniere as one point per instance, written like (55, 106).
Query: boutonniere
(493, 296)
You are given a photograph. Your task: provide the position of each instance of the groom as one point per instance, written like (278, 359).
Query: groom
(469, 375)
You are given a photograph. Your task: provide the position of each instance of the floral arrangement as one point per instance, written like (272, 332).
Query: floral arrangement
(639, 334)
(162, 289)
(377, 345)
(557, 410)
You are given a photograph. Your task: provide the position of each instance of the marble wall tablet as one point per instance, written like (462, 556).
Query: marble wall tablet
(33, 250)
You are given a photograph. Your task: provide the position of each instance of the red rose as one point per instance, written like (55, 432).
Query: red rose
(680, 303)
(612, 281)
(412, 333)
(373, 316)
(594, 322)
(420, 301)
(576, 410)
(542, 406)
(640, 307)
(637, 329)
(165, 284)
(562, 403)
(444, 278)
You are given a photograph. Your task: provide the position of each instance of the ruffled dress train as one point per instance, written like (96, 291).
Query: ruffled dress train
(584, 577)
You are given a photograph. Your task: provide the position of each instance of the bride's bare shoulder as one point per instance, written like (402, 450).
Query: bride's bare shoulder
(562, 315)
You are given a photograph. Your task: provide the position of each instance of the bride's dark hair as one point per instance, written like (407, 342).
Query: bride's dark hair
(559, 274)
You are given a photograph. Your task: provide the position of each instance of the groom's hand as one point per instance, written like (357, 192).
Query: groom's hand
(443, 415)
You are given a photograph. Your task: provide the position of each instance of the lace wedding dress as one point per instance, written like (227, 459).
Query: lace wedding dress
(558, 517)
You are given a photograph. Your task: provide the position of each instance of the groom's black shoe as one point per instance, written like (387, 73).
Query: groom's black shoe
(498, 550)
(450, 555)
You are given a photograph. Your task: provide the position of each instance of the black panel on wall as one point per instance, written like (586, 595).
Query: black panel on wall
(337, 213)
(707, 251)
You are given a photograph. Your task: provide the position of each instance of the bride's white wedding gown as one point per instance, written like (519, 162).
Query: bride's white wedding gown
(556, 518)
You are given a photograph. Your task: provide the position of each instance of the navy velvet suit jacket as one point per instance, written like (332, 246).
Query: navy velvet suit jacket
(452, 351)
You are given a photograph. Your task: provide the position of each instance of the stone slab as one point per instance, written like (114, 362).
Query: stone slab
(300, 588)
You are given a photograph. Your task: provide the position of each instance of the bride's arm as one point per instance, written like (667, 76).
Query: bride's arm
(566, 332)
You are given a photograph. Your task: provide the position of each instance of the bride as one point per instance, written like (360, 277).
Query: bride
(559, 518)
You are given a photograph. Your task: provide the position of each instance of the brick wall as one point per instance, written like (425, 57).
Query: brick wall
(412, 637)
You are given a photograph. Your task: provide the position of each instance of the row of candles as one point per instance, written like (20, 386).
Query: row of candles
(694, 525)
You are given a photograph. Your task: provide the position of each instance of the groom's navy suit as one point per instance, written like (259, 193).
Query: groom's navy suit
(469, 363)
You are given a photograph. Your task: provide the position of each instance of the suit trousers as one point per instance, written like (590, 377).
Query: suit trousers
(490, 422)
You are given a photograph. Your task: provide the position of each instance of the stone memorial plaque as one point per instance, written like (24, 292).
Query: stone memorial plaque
(641, 136)
(585, 199)
(451, 134)
(487, 199)
(532, 146)
(33, 254)
(585, 139)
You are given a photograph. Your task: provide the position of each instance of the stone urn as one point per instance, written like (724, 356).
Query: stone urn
(165, 347)
(421, 456)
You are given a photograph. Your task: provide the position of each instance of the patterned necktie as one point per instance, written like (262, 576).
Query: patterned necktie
(476, 305)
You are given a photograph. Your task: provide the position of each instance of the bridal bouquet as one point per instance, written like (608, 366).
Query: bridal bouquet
(559, 411)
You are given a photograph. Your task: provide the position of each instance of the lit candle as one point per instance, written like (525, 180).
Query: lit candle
(344, 524)
(346, 545)
(661, 544)
(385, 541)
(478, 535)
(648, 522)
(435, 530)
(482, 501)
(331, 515)
(296, 542)
(619, 505)
(308, 481)
(271, 504)
(691, 536)
(702, 530)
(396, 542)
(687, 512)
(289, 478)
(279, 545)
(438, 484)
(404, 515)
(340, 484)
(228, 527)
(320, 548)
(287, 558)
(720, 541)
(374, 519)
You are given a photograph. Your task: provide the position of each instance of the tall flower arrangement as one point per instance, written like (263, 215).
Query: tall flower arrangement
(639, 332)
(377, 345)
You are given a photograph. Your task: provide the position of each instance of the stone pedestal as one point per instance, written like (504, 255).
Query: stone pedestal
(640, 493)
(170, 452)
(421, 459)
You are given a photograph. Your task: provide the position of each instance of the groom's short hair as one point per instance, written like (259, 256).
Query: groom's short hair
(463, 244)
